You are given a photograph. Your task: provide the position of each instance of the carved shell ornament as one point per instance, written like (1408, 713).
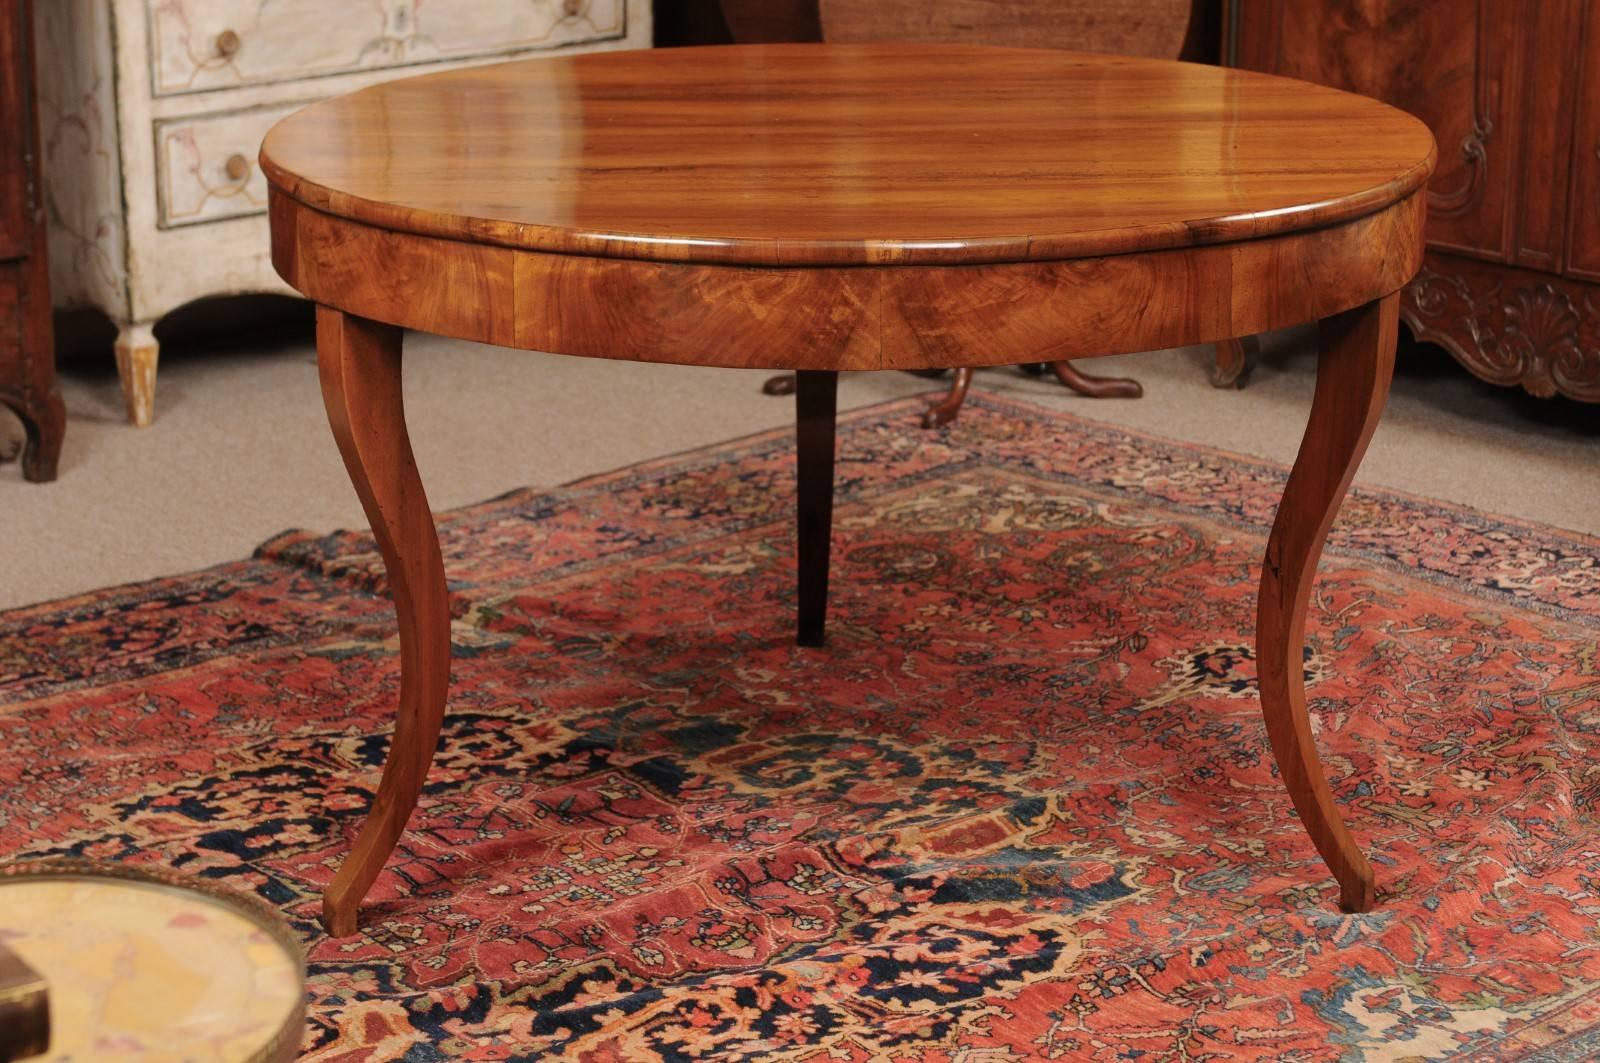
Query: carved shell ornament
(1531, 335)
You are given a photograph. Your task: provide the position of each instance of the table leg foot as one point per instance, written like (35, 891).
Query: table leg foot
(1353, 373)
(44, 422)
(942, 413)
(1234, 358)
(138, 353)
(359, 363)
(1095, 387)
(816, 405)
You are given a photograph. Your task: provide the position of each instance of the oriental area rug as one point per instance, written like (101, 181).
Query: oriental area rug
(1021, 806)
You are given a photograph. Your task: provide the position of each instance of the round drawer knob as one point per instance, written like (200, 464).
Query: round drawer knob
(572, 8)
(238, 167)
(227, 43)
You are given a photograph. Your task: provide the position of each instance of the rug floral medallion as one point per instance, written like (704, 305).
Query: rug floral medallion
(1021, 806)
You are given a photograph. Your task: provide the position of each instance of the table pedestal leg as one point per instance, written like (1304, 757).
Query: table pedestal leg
(816, 403)
(1356, 362)
(359, 363)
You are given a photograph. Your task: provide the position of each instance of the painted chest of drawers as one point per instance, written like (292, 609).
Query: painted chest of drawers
(152, 112)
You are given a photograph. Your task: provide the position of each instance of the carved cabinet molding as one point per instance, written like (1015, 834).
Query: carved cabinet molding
(1512, 92)
(1511, 327)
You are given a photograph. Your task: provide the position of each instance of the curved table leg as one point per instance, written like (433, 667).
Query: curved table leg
(1096, 387)
(1356, 362)
(943, 412)
(816, 405)
(359, 363)
(1234, 358)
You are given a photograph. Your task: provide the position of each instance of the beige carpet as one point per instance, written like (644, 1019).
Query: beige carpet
(240, 449)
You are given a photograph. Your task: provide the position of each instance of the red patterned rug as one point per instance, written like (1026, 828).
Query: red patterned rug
(1021, 806)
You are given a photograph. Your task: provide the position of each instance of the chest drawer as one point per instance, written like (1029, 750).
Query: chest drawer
(206, 166)
(201, 45)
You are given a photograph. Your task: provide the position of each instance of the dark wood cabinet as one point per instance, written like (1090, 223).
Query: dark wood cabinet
(1511, 89)
(27, 355)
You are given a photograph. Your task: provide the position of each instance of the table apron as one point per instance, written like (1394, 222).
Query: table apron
(845, 317)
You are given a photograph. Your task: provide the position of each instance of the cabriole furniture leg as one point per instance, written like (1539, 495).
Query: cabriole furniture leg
(944, 411)
(1233, 361)
(1091, 386)
(1355, 364)
(359, 363)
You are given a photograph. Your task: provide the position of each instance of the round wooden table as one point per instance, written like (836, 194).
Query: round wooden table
(830, 207)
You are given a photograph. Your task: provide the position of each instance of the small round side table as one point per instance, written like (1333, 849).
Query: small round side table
(141, 963)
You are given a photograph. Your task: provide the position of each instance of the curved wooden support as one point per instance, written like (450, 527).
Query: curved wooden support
(1356, 363)
(1234, 358)
(359, 363)
(942, 413)
(1096, 387)
(44, 422)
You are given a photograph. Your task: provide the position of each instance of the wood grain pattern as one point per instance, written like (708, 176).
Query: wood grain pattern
(1157, 29)
(359, 363)
(888, 154)
(773, 21)
(1451, 63)
(769, 21)
(454, 289)
(726, 315)
(845, 318)
(1583, 207)
(1353, 372)
(1512, 92)
(27, 335)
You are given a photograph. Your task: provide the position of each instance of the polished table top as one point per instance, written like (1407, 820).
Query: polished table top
(848, 154)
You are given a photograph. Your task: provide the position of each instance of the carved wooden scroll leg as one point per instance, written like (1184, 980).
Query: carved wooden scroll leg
(1234, 358)
(941, 414)
(1096, 387)
(1357, 360)
(816, 403)
(44, 422)
(359, 362)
